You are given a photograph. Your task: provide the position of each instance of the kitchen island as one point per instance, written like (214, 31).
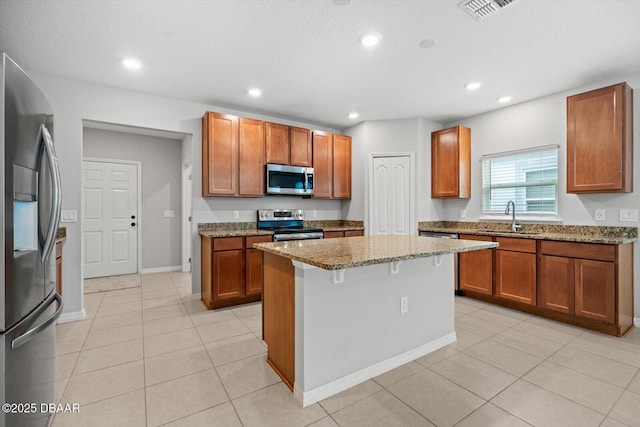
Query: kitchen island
(340, 311)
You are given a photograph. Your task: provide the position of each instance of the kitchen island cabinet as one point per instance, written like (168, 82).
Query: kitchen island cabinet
(332, 309)
(600, 140)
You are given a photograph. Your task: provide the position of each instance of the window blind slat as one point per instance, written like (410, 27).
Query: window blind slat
(529, 178)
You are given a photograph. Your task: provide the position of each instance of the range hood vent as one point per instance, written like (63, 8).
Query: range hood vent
(481, 9)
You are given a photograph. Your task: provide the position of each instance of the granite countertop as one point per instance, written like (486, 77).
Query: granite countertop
(238, 229)
(566, 233)
(61, 234)
(338, 254)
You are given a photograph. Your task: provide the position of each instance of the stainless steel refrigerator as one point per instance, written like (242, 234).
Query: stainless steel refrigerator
(30, 215)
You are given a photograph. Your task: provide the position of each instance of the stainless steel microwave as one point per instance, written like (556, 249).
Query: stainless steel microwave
(285, 179)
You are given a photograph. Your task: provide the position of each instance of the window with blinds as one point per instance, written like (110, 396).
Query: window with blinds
(528, 177)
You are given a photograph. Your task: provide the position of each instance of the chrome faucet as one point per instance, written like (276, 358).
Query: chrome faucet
(511, 209)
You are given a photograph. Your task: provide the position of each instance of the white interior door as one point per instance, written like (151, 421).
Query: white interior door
(391, 195)
(110, 218)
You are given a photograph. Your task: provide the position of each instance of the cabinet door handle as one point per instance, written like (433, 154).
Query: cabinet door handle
(133, 224)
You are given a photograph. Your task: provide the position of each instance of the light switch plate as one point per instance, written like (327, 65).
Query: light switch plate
(629, 215)
(68, 216)
(599, 215)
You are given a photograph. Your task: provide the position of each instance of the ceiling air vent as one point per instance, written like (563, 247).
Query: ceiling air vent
(480, 9)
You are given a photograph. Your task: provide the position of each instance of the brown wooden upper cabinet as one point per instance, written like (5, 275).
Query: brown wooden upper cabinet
(287, 145)
(219, 155)
(332, 165)
(301, 151)
(341, 167)
(232, 156)
(600, 140)
(451, 163)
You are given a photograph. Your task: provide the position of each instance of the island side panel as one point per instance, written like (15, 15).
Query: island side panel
(278, 300)
(354, 327)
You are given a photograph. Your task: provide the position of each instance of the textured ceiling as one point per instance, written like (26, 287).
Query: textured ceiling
(306, 55)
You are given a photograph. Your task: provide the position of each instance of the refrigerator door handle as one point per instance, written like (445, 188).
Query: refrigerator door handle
(54, 219)
(31, 333)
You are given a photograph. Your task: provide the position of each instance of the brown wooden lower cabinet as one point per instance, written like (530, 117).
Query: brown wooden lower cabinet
(595, 290)
(584, 284)
(476, 267)
(348, 233)
(556, 287)
(515, 272)
(231, 270)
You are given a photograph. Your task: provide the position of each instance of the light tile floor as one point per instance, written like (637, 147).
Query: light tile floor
(152, 356)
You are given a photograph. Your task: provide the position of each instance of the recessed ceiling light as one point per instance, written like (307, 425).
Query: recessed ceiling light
(353, 115)
(504, 99)
(132, 63)
(427, 43)
(255, 92)
(371, 39)
(473, 85)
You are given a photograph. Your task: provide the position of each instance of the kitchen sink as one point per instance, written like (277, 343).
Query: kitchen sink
(527, 233)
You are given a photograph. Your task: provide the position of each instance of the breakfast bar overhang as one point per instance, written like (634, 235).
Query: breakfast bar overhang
(337, 312)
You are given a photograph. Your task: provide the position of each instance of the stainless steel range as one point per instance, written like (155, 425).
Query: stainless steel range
(286, 224)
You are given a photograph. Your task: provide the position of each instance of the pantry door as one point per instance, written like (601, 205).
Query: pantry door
(110, 216)
(391, 194)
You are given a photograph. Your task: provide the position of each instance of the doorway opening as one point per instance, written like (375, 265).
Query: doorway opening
(163, 202)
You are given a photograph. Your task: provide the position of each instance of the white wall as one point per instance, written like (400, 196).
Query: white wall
(74, 101)
(392, 136)
(541, 122)
(161, 188)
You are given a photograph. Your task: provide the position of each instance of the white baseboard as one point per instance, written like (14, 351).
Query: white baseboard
(74, 316)
(636, 321)
(336, 386)
(161, 269)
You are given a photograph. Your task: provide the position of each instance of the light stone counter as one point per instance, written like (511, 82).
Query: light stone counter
(565, 233)
(338, 254)
(338, 312)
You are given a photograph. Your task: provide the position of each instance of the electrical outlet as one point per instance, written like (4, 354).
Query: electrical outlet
(463, 213)
(69, 216)
(629, 215)
(169, 214)
(314, 213)
(600, 215)
(236, 214)
(404, 305)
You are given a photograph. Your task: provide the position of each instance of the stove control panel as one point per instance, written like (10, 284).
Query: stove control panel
(280, 214)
